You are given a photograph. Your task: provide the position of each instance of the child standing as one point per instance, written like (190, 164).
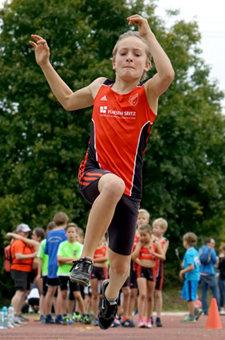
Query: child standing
(147, 250)
(191, 273)
(68, 251)
(143, 218)
(160, 226)
(42, 261)
(98, 274)
(54, 238)
(110, 176)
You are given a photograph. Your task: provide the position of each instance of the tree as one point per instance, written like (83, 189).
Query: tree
(187, 142)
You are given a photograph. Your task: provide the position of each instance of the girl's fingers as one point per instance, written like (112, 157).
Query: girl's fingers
(32, 44)
(36, 37)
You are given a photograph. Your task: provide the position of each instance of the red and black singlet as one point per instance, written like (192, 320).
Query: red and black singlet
(121, 125)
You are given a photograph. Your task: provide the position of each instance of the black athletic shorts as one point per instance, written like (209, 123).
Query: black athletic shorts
(53, 282)
(21, 280)
(133, 279)
(99, 273)
(123, 225)
(63, 282)
(127, 282)
(147, 273)
(159, 283)
(45, 287)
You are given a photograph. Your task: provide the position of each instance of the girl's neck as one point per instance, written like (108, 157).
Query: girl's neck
(122, 87)
(148, 243)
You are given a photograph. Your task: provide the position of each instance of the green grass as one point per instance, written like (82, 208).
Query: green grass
(173, 302)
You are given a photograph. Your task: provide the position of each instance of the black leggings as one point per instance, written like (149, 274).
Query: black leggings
(123, 225)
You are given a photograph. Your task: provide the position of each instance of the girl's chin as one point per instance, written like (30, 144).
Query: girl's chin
(128, 77)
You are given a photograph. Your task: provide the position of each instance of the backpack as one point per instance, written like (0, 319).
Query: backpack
(7, 258)
(205, 255)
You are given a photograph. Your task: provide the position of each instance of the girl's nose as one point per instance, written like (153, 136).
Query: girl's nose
(129, 57)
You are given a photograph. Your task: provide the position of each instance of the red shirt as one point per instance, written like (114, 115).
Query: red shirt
(19, 246)
(121, 126)
(99, 253)
(145, 253)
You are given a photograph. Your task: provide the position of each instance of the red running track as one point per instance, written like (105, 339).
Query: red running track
(172, 330)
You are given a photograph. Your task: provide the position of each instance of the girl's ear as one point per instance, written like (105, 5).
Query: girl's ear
(147, 67)
(113, 64)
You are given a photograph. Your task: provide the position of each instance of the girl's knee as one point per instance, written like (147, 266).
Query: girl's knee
(113, 186)
(119, 269)
(142, 297)
(158, 294)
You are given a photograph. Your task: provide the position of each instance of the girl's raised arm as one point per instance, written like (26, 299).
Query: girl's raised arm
(68, 99)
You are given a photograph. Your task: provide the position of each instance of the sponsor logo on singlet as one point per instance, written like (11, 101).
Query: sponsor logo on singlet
(104, 111)
(133, 99)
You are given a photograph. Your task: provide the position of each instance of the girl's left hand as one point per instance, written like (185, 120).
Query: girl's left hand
(151, 251)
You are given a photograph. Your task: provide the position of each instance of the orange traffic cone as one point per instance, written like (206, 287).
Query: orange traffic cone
(213, 320)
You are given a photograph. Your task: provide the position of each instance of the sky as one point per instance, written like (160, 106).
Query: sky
(210, 17)
(211, 20)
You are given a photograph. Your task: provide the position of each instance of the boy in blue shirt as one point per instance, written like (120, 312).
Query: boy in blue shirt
(191, 274)
(53, 240)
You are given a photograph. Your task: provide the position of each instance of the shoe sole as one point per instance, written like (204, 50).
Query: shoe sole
(19, 324)
(79, 282)
(198, 316)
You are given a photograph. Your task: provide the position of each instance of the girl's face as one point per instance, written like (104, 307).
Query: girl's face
(79, 238)
(145, 236)
(131, 60)
(157, 231)
(142, 219)
(35, 237)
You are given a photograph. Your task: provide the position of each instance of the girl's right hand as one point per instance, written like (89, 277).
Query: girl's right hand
(41, 49)
(141, 23)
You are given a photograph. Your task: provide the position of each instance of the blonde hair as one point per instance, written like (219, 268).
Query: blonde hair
(137, 35)
(144, 211)
(190, 238)
(161, 222)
